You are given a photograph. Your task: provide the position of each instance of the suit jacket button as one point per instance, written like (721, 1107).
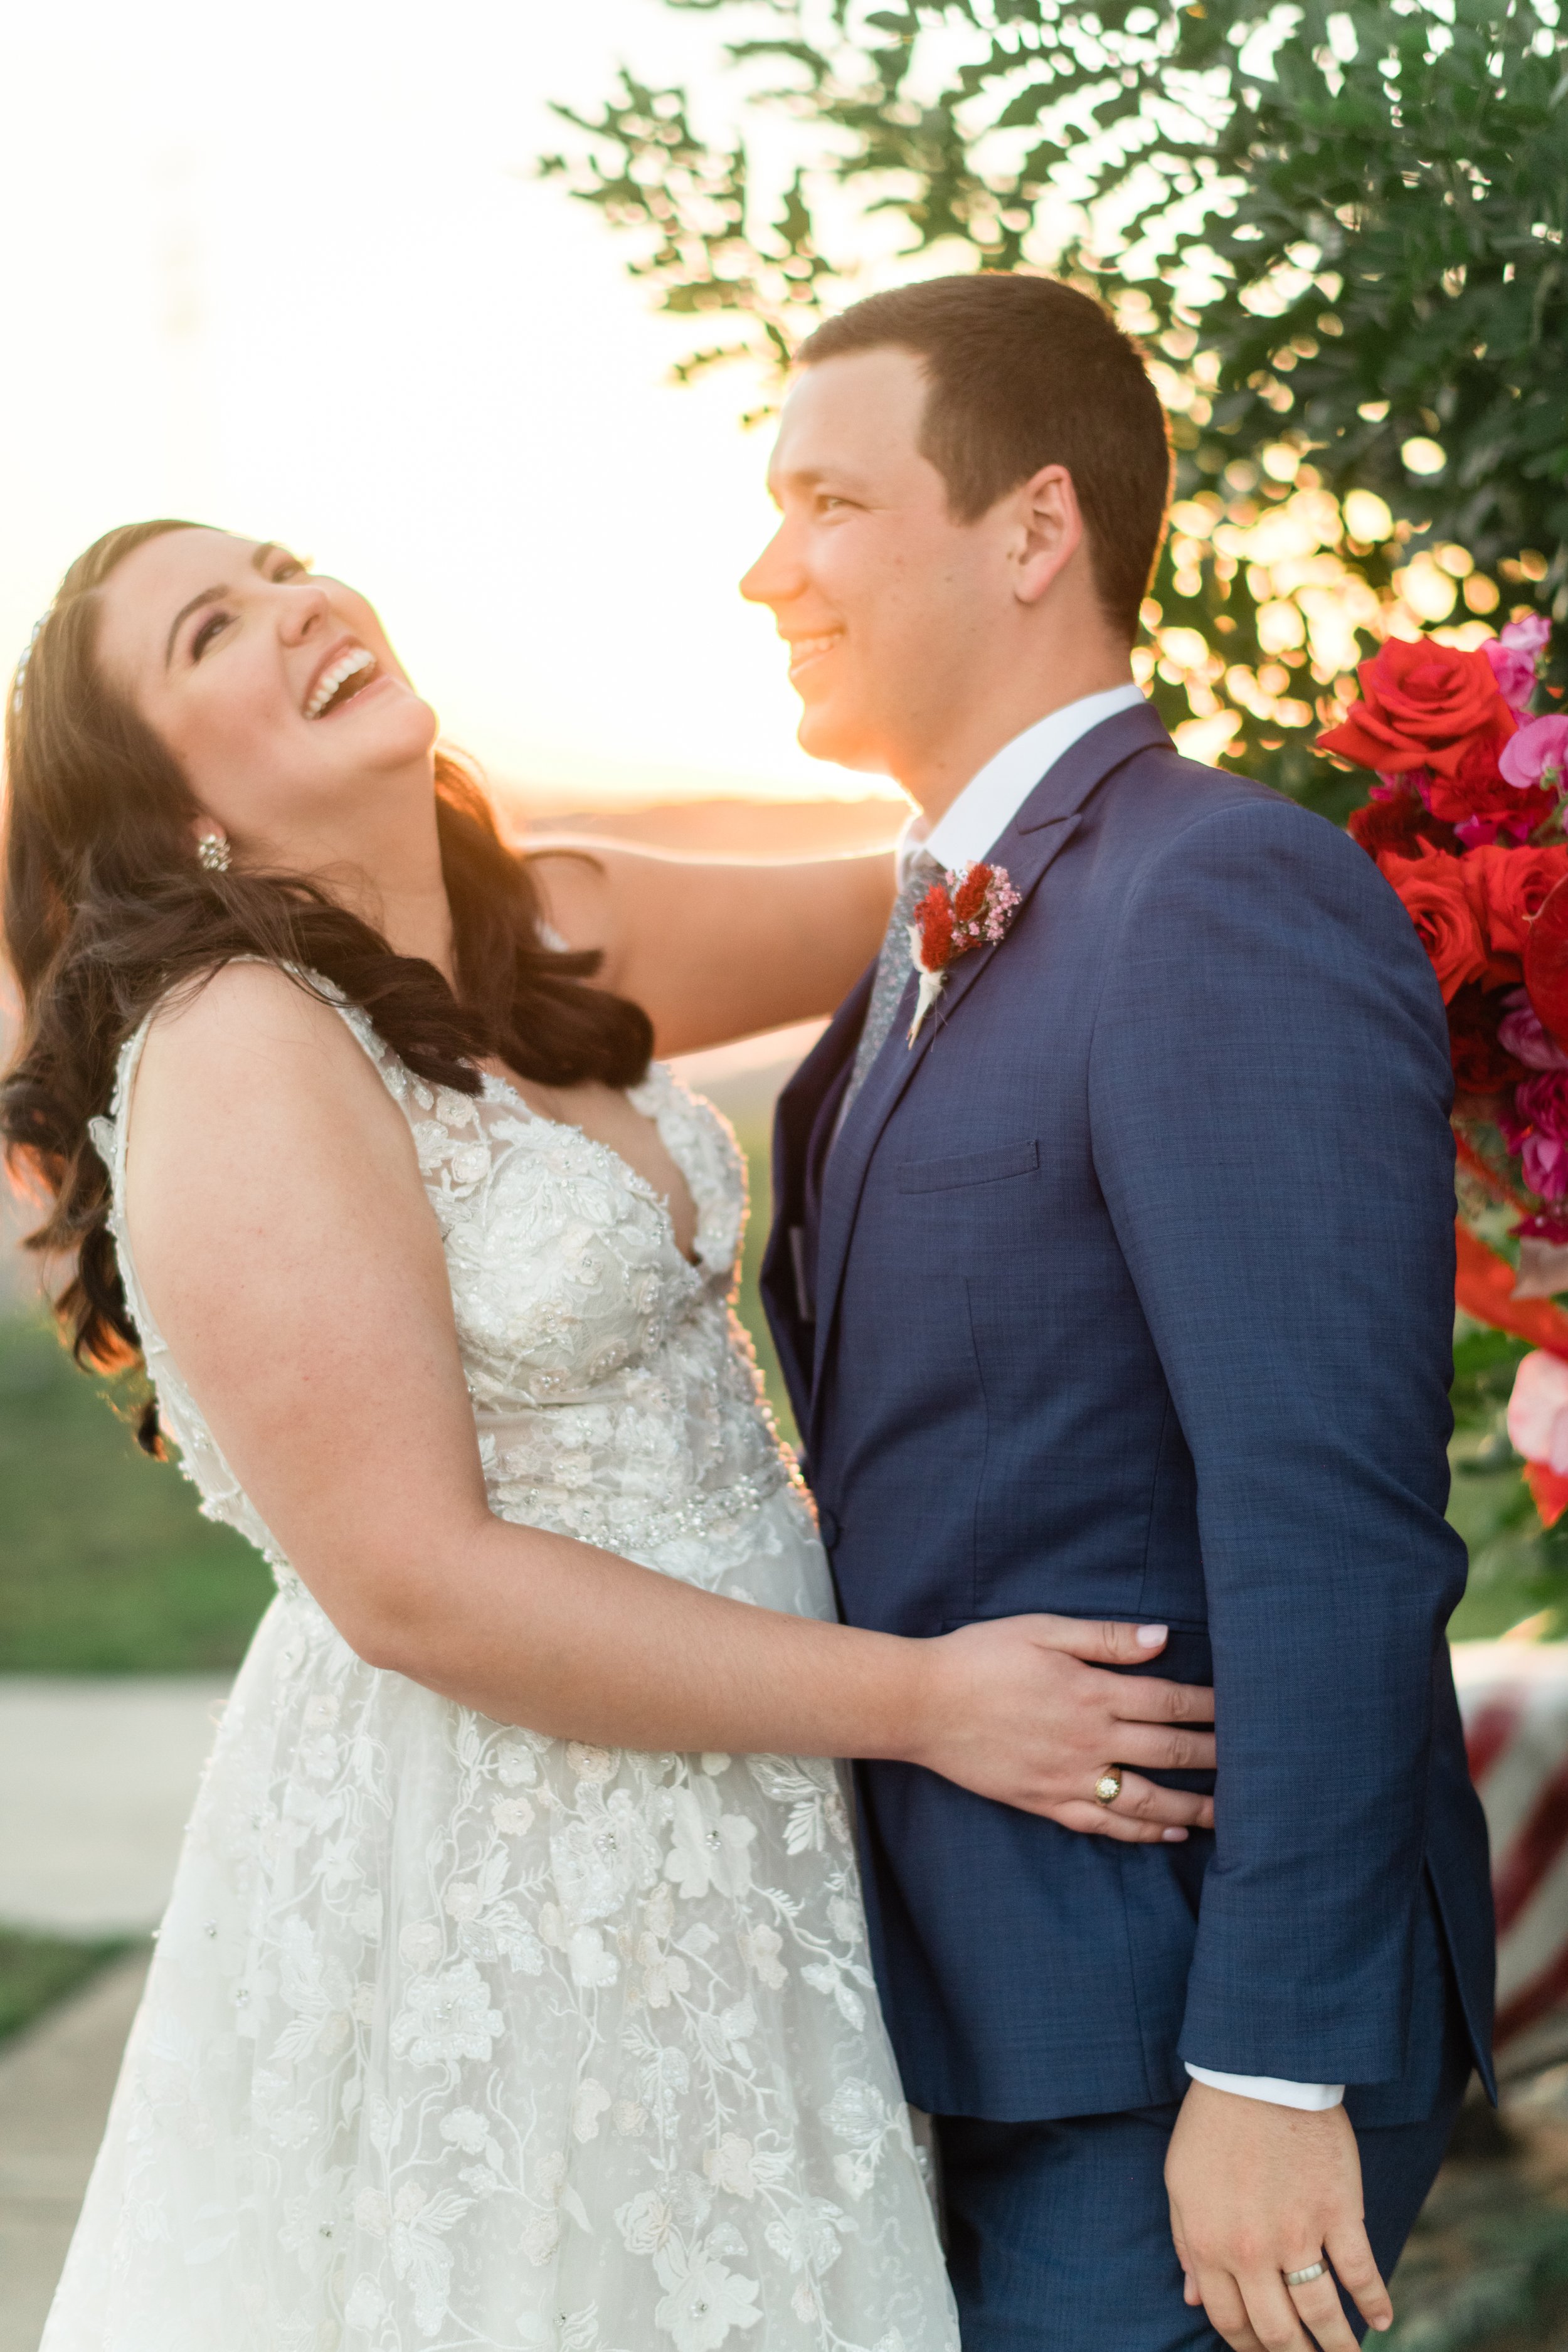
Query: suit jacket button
(828, 1522)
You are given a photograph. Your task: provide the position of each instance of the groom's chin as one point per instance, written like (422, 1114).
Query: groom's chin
(827, 734)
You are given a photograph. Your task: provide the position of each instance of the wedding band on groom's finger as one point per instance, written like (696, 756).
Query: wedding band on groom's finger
(1304, 2278)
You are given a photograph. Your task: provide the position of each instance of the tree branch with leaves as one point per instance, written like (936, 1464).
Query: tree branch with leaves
(1340, 233)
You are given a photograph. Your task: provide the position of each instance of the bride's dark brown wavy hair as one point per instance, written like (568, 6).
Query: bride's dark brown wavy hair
(107, 909)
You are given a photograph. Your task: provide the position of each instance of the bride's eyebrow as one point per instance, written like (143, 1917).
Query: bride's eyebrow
(210, 595)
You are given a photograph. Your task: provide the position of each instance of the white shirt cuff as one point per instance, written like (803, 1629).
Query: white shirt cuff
(1310, 2097)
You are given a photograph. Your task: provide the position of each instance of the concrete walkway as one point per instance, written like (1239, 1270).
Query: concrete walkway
(55, 2087)
(96, 1778)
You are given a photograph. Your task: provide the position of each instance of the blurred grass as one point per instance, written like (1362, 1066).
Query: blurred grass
(1486, 2268)
(37, 1969)
(107, 1566)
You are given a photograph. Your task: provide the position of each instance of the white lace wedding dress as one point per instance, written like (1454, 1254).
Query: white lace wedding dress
(459, 2036)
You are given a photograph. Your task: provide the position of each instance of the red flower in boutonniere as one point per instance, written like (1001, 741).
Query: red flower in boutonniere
(970, 907)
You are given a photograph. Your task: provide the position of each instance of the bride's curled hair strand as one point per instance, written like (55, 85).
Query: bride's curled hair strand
(107, 909)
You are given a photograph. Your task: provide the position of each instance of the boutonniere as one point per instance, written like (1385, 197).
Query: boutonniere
(969, 908)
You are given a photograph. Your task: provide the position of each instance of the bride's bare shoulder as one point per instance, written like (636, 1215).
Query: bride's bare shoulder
(256, 1116)
(243, 1011)
(249, 1034)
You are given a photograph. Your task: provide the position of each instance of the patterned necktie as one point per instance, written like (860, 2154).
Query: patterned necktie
(893, 970)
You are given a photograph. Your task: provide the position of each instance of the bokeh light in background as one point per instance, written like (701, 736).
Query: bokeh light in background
(289, 269)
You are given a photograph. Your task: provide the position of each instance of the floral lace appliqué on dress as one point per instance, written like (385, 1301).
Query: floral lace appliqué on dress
(458, 2036)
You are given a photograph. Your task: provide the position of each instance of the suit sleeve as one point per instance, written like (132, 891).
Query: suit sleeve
(1269, 1091)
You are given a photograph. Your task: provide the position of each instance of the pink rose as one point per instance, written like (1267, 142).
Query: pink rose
(1537, 757)
(1533, 633)
(1512, 654)
(1543, 1101)
(1514, 671)
(1520, 1033)
(1545, 1161)
(1537, 1409)
(1537, 1129)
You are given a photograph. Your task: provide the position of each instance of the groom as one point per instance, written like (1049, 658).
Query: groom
(1125, 1290)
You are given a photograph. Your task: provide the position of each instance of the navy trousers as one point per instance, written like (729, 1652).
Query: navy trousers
(1060, 2235)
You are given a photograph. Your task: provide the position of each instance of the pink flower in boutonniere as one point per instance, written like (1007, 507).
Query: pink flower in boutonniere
(970, 907)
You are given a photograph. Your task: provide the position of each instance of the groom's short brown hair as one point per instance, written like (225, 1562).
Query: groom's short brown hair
(1025, 373)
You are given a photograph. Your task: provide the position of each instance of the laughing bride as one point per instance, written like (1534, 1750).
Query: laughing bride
(514, 1989)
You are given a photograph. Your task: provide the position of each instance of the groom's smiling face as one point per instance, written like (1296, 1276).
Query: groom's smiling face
(887, 601)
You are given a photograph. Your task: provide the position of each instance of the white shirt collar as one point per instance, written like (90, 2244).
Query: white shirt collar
(990, 800)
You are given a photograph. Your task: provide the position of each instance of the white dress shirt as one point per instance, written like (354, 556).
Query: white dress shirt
(990, 800)
(965, 831)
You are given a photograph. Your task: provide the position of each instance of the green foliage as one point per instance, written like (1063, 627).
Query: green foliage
(692, 200)
(106, 1566)
(1389, 267)
(1340, 229)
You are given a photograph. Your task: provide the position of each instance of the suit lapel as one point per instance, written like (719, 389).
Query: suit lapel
(800, 1106)
(1037, 835)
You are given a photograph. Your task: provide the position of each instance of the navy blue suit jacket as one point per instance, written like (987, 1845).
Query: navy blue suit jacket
(1127, 1292)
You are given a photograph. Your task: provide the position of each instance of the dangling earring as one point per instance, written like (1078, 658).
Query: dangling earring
(214, 852)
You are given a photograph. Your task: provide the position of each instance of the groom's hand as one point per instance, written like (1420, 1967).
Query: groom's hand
(1023, 1710)
(1257, 2190)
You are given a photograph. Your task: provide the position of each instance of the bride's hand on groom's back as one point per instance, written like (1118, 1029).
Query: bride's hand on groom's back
(1026, 1711)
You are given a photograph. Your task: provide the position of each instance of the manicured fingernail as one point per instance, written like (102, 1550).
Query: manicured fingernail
(1174, 1837)
(1151, 1636)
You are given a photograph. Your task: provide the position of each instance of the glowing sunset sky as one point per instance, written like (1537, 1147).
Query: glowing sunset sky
(287, 269)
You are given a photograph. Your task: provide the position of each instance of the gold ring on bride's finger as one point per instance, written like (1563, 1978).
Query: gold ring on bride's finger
(1108, 1788)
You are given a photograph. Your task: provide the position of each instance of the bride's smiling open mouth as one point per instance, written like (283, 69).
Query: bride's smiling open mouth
(347, 669)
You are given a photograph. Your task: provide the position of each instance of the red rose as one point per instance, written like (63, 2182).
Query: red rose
(1399, 824)
(1481, 1066)
(1433, 888)
(1508, 889)
(1477, 797)
(1421, 706)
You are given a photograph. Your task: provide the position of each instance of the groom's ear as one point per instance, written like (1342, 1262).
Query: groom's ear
(1046, 531)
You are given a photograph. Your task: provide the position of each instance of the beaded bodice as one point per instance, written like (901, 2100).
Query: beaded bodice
(615, 1394)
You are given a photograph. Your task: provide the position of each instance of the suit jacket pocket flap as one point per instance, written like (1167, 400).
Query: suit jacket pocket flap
(969, 1168)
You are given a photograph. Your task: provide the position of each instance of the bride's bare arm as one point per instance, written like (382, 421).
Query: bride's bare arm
(289, 1254)
(714, 950)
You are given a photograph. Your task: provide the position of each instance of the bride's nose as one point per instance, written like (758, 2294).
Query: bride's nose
(304, 610)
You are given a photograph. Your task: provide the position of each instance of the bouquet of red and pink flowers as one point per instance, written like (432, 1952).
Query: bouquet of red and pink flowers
(1466, 821)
